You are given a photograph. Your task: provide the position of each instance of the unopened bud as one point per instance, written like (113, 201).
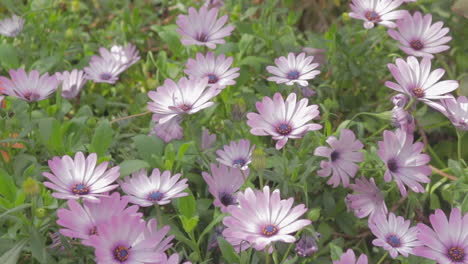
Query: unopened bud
(31, 187)
(259, 160)
(40, 212)
(306, 246)
(239, 109)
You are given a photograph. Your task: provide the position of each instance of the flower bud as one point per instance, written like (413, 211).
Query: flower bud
(239, 109)
(306, 246)
(259, 160)
(31, 187)
(40, 212)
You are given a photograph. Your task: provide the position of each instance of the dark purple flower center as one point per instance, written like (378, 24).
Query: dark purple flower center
(393, 241)
(202, 37)
(239, 162)
(293, 75)
(212, 78)
(284, 129)
(392, 165)
(31, 96)
(105, 76)
(334, 155)
(417, 92)
(80, 189)
(269, 230)
(416, 44)
(121, 253)
(372, 16)
(93, 231)
(226, 198)
(456, 254)
(155, 196)
(185, 107)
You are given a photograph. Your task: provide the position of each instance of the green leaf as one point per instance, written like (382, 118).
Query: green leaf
(18, 208)
(8, 57)
(37, 245)
(51, 134)
(7, 186)
(187, 206)
(335, 251)
(435, 203)
(102, 138)
(130, 166)
(464, 206)
(228, 251)
(189, 223)
(147, 146)
(12, 255)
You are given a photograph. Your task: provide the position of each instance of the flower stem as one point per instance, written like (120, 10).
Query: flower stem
(267, 256)
(459, 145)
(383, 257)
(260, 178)
(130, 116)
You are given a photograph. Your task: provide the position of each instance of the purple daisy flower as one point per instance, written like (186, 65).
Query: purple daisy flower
(456, 110)
(236, 155)
(223, 183)
(367, 199)
(262, 218)
(72, 82)
(173, 259)
(214, 3)
(342, 155)
(377, 11)
(293, 69)
(188, 96)
(207, 140)
(170, 130)
(81, 221)
(395, 235)
(80, 178)
(404, 161)
(283, 119)
(203, 28)
(447, 241)
(12, 26)
(418, 37)
(416, 80)
(103, 70)
(30, 87)
(158, 188)
(126, 239)
(217, 69)
(350, 258)
(126, 56)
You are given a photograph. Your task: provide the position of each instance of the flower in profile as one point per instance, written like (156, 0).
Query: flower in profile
(72, 82)
(207, 140)
(170, 130)
(158, 188)
(367, 199)
(455, 109)
(214, 3)
(126, 239)
(188, 96)
(395, 235)
(404, 161)
(342, 155)
(81, 221)
(283, 119)
(400, 117)
(80, 177)
(350, 258)
(446, 242)
(223, 183)
(236, 155)
(377, 12)
(306, 246)
(30, 87)
(293, 69)
(12, 26)
(217, 69)
(418, 37)
(126, 56)
(262, 218)
(104, 70)
(203, 28)
(416, 80)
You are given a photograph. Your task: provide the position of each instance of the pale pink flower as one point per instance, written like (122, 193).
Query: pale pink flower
(367, 199)
(376, 12)
(294, 69)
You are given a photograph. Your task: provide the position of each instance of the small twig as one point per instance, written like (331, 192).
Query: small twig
(398, 204)
(128, 117)
(436, 170)
(423, 134)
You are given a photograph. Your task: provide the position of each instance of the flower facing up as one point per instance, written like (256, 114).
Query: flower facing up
(418, 37)
(283, 119)
(262, 218)
(447, 241)
(81, 221)
(203, 28)
(404, 160)
(455, 109)
(80, 177)
(207, 139)
(395, 235)
(377, 12)
(188, 96)
(223, 183)
(217, 69)
(293, 69)
(30, 87)
(11, 27)
(342, 155)
(126, 239)
(155, 189)
(416, 80)
(170, 130)
(350, 258)
(72, 82)
(367, 199)
(236, 155)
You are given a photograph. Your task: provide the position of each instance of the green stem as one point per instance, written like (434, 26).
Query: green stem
(286, 254)
(243, 175)
(260, 178)
(194, 241)
(158, 214)
(459, 145)
(383, 257)
(267, 256)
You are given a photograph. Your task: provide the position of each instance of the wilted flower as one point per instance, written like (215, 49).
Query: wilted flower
(217, 69)
(446, 242)
(168, 131)
(367, 199)
(80, 178)
(72, 82)
(11, 27)
(203, 28)
(236, 155)
(395, 235)
(377, 11)
(293, 69)
(350, 258)
(207, 140)
(158, 188)
(30, 87)
(213, 241)
(320, 56)
(418, 37)
(403, 120)
(307, 92)
(56, 241)
(456, 110)
(223, 183)
(306, 246)
(262, 218)
(283, 119)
